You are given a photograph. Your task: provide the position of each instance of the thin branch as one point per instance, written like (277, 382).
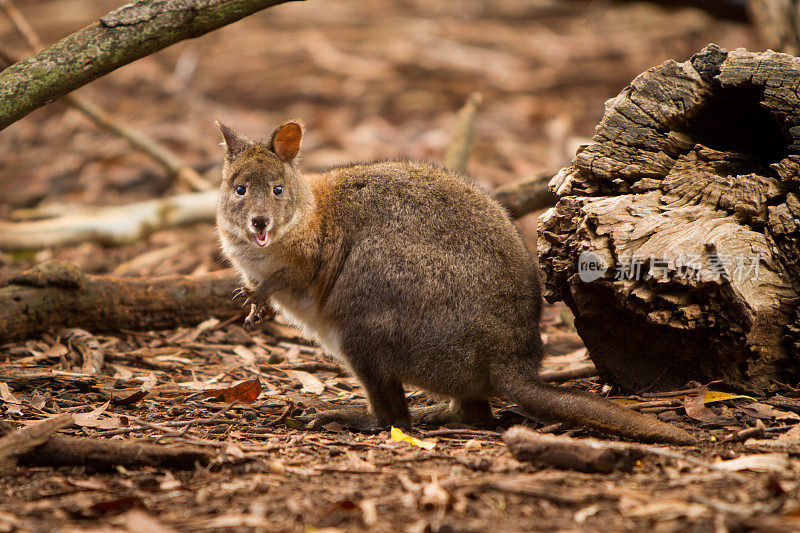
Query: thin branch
(174, 166)
(120, 37)
(456, 156)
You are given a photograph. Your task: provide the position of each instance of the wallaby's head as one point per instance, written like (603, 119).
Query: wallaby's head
(262, 192)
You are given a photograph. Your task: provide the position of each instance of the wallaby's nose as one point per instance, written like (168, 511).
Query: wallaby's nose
(259, 223)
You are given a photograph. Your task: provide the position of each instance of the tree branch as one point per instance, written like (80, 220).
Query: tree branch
(124, 35)
(137, 138)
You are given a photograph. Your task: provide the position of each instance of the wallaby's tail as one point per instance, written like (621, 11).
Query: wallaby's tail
(586, 409)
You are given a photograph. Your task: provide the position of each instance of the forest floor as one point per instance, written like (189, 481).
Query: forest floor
(371, 80)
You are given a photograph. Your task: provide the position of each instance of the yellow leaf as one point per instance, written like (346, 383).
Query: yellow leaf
(398, 435)
(624, 401)
(716, 396)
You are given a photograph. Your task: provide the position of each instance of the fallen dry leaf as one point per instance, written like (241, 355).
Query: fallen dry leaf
(767, 412)
(92, 419)
(137, 394)
(369, 512)
(711, 396)
(695, 405)
(792, 434)
(247, 355)
(399, 436)
(246, 391)
(434, 496)
(11, 402)
(310, 382)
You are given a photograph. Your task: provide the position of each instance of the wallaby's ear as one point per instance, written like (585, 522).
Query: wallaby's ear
(235, 142)
(285, 141)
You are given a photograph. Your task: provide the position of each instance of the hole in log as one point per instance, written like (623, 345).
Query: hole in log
(735, 121)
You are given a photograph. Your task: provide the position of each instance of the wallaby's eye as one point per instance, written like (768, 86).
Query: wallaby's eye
(278, 190)
(240, 190)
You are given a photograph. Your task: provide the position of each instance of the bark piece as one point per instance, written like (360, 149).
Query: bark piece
(676, 237)
(57, 294)
(583, 455)
(88, 346)
(124, 35)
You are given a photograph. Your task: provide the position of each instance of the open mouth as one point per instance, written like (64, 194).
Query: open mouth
(261, 238)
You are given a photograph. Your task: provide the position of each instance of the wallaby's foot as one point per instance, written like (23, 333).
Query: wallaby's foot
(358, 419)
(434, 415)
(472, 412)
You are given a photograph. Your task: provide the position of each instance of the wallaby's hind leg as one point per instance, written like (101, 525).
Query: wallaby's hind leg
(476, 412)
(388, 407)
(387, 401)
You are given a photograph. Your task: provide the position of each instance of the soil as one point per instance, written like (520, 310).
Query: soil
(371, 80)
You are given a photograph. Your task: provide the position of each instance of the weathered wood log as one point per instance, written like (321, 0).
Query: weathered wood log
(676, 237)
(57, 294)
(36, 445)
(133, 31)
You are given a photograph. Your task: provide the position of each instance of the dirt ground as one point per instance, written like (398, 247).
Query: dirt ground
(370, 80)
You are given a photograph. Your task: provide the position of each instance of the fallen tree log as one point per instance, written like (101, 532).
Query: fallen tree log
(676, 237)
(123, 224)
(129, 223)
(36, 445)
(57, 294)
(122, 36)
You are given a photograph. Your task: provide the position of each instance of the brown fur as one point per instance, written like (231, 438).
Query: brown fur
(408, 274)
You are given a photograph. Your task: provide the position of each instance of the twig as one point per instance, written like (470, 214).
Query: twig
(669, 394)
(552, 428)
(669, 404)
(283, 416)
(587, 370)
(525, 196)
(557, 496)
(456, 156)
(312, 366)
(137, 138)
(165, 426)
(461, 433)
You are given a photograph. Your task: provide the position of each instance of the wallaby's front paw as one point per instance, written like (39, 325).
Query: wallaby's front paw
(257, 314)
(243, 292)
